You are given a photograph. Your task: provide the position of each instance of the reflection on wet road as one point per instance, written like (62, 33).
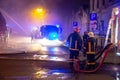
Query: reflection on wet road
(49, 63)
(52, 54)
(36, 66)
(52, 70)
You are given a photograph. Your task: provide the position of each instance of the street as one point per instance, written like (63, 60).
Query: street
(13, 69)
(39, 40)
(32, 70)
(22, 60)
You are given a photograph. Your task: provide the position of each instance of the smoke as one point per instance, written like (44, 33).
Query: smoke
(57, 11)
(16, 14)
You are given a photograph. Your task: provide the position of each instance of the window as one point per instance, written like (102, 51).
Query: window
(103, 2)
(93, 4)
(111, 0)
(98, 4)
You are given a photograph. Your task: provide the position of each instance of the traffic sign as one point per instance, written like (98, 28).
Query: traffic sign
(93, 16)
(75, 23)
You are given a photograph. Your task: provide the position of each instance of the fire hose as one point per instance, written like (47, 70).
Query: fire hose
(104, 52)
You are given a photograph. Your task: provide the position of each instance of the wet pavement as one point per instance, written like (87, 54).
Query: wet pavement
(29, 69)
(23, 60)
(52, 70)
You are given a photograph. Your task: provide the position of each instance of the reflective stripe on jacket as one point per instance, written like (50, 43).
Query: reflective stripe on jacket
(91, 44)
(75, 41)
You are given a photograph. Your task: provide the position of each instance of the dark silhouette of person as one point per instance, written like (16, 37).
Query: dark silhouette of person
(85, 37)
(75, 43)
(90, 50)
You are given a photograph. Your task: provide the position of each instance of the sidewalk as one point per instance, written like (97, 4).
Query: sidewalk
(17, 45)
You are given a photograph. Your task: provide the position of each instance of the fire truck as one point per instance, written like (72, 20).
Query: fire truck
(51, 32)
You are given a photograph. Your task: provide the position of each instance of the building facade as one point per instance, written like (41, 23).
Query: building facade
(103, 9)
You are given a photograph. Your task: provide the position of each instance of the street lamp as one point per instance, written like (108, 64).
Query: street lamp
(38, 15)
(39, 9)
(40, 12)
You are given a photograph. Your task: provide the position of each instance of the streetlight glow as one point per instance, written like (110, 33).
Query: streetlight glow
(38, 15)
(39, 10)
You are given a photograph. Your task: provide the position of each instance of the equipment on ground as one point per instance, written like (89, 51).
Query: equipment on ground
(82, 66)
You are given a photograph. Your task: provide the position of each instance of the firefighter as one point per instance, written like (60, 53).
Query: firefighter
(85, 37)
(90, 50)
(75, 43)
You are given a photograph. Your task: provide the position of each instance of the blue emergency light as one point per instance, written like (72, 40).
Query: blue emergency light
(50, 32)
(53, 36)
(75, 23)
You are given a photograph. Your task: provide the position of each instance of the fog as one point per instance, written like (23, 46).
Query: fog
(18, 13)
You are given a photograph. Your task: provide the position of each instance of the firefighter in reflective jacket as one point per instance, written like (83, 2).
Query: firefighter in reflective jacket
(91, 43)
(75, 43)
